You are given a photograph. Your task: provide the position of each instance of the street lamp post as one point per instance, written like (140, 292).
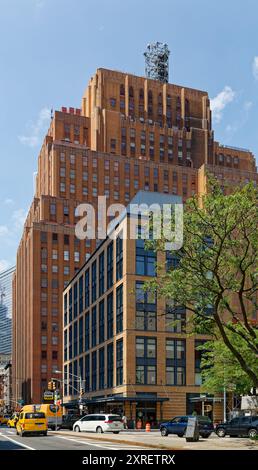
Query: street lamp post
(79, 379)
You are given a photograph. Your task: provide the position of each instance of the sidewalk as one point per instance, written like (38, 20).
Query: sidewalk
(153, 440)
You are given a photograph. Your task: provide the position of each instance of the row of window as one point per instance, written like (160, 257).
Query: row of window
(96, 370)
(95, 327)
(92, 366)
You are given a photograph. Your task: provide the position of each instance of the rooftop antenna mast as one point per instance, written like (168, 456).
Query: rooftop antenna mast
(157, 61)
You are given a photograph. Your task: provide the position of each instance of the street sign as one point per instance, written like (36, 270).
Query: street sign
(48, 395)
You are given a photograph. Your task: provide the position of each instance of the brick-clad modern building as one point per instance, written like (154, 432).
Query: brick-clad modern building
(131, 133)
(129, 346)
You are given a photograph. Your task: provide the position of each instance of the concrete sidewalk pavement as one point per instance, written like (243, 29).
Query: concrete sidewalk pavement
(154, 440)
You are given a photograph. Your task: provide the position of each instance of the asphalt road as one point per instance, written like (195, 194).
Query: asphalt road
(10, 441)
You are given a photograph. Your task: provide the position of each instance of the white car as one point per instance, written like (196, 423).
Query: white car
(99, 423)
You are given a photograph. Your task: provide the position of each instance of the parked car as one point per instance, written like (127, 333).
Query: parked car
(178, 426)
(31, 423)
(99, 423)
(68, 421)
(242, 426)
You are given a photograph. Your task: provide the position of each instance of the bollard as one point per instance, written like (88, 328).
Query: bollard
(147, 427)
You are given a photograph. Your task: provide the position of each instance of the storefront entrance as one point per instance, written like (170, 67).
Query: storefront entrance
(145, 413)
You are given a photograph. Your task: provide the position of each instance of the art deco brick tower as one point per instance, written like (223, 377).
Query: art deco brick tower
(131, 133)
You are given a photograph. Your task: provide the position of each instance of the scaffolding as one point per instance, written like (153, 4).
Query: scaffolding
(157, 61)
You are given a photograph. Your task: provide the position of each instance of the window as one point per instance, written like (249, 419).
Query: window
(66, 255)
(197, 360)
(110, 367)
(43, 339)
(93, 281)
(101, 273)
(175, 319)
(110, 316)
(44, 268)
(62, 187)
(145, 260)
(44, 282)
(94, 192)
(112, 102)
(155, 172)
(119, 256)
(81, 335)
(119, 309)
(62, 157)
(146, 360)
(101, 321)
(146, 309)
(113, 144)
(94, 327)
(175, 362)
(106, 164)
(52, 209)
(87, 331)
(94, 371)
(72, 174)
(80, 295)
(172, 260)
(110, 265)
(75, 339)
(87, 288)
(43, 354)
(76, 256)
(101, 368)
(119, 362)
(54, 283)
(66, 270)
(72, 159)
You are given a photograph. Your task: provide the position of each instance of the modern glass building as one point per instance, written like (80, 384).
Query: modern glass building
(6, 311)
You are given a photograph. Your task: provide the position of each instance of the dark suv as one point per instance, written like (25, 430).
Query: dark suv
(242, 426)
(69, 420)
(178, 426)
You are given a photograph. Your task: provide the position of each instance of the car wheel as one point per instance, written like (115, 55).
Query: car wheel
(99, 430)
(115, 432)
(77, 429)
(221, 432)
(45, 433)
(180, 435)
(17, 433)
(163, 432)
(252, 433)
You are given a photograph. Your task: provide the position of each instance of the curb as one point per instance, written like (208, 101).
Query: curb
(121, 441)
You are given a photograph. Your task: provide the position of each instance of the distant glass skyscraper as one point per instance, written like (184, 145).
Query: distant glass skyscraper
(6, 311)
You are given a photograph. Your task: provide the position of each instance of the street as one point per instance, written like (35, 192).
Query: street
(10, 441)
(126, 440)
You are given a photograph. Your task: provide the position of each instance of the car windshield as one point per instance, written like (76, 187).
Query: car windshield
(34, 415)
(114, 418)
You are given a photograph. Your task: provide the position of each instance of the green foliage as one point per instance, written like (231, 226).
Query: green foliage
(220, 368)
(217, 275)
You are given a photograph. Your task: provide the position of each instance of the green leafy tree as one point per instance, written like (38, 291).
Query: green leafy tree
(217, 274)
(221, 369)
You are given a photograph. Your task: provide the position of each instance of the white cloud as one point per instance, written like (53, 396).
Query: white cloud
(4, 264)
(3, 230)
(255, 67)
(8, 201)
(220, 101)
(18, 218)
(248, 105)
(36, 129)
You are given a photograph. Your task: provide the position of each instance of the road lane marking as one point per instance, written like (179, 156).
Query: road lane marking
(80, 441)
(16, 442)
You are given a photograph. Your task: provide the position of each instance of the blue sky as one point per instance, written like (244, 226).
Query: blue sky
(50, 48)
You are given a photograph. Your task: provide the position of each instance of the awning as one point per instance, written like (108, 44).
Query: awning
(116, 399)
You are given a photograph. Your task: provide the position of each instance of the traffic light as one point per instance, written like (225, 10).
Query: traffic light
(81, 392)
(52, 385)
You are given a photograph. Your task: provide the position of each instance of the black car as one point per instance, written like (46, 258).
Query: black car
(178, 426)
(242, 426)
(68, 421)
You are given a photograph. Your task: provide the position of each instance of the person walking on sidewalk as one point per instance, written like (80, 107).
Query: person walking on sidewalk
(124, 419)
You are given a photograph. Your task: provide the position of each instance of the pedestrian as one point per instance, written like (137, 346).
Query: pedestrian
(124, 419)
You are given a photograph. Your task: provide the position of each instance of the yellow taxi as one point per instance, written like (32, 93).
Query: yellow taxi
(4, 419)
(31, 423)
(11, 423)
